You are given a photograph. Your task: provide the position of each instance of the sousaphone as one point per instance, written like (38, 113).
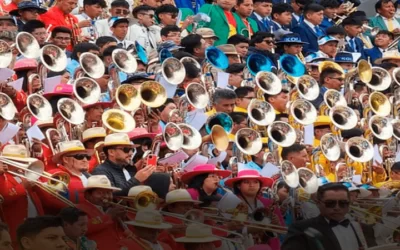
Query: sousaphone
(124, 60)
(173, 71)
(53, 58)
(118, 121)
(7, 107)
(289, 174)
(343, 117)
(197, 95)
(308, 181)
(86, 90)
(39, 107)
(268, 82)
(92, 65)
(248, 141)
(191, 137)
(260, 112)
(173, 136)
(359, 149)
(303, 112)
(282, 134)
(379, 103)
(71, 111)
(380, 80)
(127, 97)
(330, 147)
(307, 87)
(381, 127)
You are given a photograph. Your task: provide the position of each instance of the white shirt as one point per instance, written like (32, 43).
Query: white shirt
(394, 21)
(88, 31)
(125, 43)
(312, 26)
(297, 17)
(147, 37)
(346, 237)
(126, 174)
(84, 180)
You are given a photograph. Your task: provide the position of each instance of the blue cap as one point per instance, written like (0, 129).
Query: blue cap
(26, 5)
(344, 57)
(325, 39)
(291, 38)
(169, 45)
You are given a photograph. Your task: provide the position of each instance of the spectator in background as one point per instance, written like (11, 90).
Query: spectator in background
(246, 26)
(264, 43)
(385, 20)
(208, 35)
(7, 23)
(61, 37)
(26, 11)
(236, 76)
(330, 11)
(352, 26)
(119, 8)
(297, 15)
(5, 239)
(195, 45)
(37, 29)
(281, 16)
(171, 33)
(261, 14)
(92, 9)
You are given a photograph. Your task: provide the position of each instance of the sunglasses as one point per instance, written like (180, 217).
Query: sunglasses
(268, 41)
(334, 203)
(124, 12)
(80, 157)
(173, 15)
(126, 150)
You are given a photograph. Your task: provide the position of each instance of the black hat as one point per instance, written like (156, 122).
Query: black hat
(351, 133)
(291, 38)
(396, 166)
(25, 5)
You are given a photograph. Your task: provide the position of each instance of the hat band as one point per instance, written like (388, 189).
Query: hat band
(72, 149)
(94, 136)
(14, 155)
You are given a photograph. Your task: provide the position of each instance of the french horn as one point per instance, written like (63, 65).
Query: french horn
(268, 82)
(118, 121)
(173, 71)
(7, 107)
(260, 112)
(191, 137)
(381, 127)
(124, 60)
(86, 90)
(282, 134)
(307, 87)
(303, 112)
(379, 103)
(152, 94)
(343, 117)
(359, 149)
(39, 107)
(330, 147)
(92, 65)
(197, 95)
(71, 111)
(173, 136)
(127, 97)
(248, 141)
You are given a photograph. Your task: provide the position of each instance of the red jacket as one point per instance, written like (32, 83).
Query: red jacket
(134, 245)
(102, 228)
(14, 209)
(20, 100)
(47, 159)
(93, 163)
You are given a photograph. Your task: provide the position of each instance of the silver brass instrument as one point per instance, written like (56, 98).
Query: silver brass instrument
(343, 117)
(7, 107)
(330, 147)
(260, 112)
(307, 87)
(380, 80)
(381, 127)
(173, 136)
(124, 61)
(281, 133)
(86, 90)
(268, 82)
(39, 107)
(92, 65)
(303, 112)
(289, 174)
(173, 71)
(248, 141)
(197, 95)
(359, 149)
(71, 111)
(191, 137)
(53, 58)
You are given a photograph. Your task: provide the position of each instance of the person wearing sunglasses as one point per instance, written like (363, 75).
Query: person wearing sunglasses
(332, 230)
(166, 15)
(119, 8)
(264, 43)
(297, 15)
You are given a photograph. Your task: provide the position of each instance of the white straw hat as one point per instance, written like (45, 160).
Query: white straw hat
(179, 195)
(100, 181)
(196, 233)
(65, 147)
(149, 219)
(17, 152)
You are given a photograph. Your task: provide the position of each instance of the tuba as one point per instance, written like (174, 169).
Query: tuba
(292, 65)
(92, 65)
(343, 117)
(86, 90)
(258, 62)
(303, 112)
(191, 137)
(71, 111)
(380, 79)
(281, 133)
(307, 87)
(330, 147)
(118, 121)
(197, 95)
(39, 107)
(359, 149)
(331, 98)
(379, 103)
(381, 127)
(127, 97)
(146, 200)
(248, 141)
(53, 58)
(268, 82)
(260, 112)
(173, 71)
(124, 61)
(289, 174)
(173, 136)
(152, 94)
(221, 119)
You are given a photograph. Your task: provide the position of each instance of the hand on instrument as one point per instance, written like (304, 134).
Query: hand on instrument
(144, 173)
(84, 23)
(378, 168)
(154, 120)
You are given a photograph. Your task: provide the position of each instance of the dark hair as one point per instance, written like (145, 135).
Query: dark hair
(223, 94)
(141, 8)
(31, 25)
(53, 73)
(280, 8)
(312, 8)
(238, 117)
(81, 48)
(191, 42)
(379, 4)
(326, 73)
(191, 70)
(33, 226)
(109, 51)
(103, 40)
(243, 91)
(295, 148)
(60, 29)
(181, 54)
(119, 3)
(166, 8)
(282, 184)
(259, 36)
(197, 183)
(329, 3)
(387, 65)
(335, 30)
(302, 2)
(102, 3)
(3, 227)
(236, 39)
(278, 117)
(71, 215)
(235, 68)
(333, 186)
(386, 32)
(169, 28)
(262, 1)
(162, 107)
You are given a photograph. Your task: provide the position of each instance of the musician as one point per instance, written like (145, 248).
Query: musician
(393, 177)
(290, 44)
(92, 9)
(330, 11)
(345, 60)
(309, 29)
(119, 28)
(296, 154)
(167, 14)
(42, 232)
(321, 128)
(385, 20)
(119, 8)
(278, 101)
(352, 26)
(264, 43)
(25, 12)
(236, 76)
(20, 195)
(281, 17)
(328, 46)
(7, 23)
(241, 44)
(261, 14)
(330, 78)
(195, 45)
(76, 53)
(246, 25)
(5, 239)
(244, 96)
(223, 101)
(334, 231)
(203, 238)
(61, 37)
(230, 51)
(171, 33)
(381, 43)
(93, 113)
(90, 137)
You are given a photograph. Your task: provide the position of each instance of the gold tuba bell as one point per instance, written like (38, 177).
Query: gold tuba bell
(146, 200)
(152, 94)
(127, 97)
(118, 121)
(379, 103)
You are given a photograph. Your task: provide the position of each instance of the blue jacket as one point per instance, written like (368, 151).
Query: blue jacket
(373, 54)
(275, 27)
(192, 4)
(326, 23)
(260, 25)
(294, 22)
(308, 35)
(359, 46)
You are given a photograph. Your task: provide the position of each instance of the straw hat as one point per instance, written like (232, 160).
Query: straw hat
(228, 49)
(134, 191)
(100, 181)
(250, 174)
(204, 169)
(66, 147)
(118, 139)
(149, 219)
(206, 33)
(179, 195)
(17, 152)
(322, 120)
(196, 233)
(42, 123)
(388, 55)
(139, 133)
(92, 133)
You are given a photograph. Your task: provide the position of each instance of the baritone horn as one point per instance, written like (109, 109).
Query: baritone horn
(380, 79)
(330, 147)
(260, 112)
(268, 82)
(307, 87)
(173, 136)
(124, 61)
(221, 119)
(308, 181)
(53, 58)
(379, 103)
(281, 133)
(289, 174)
(343, 117)
(92, 65)
(173, 71)
(359, 149)
(218, 136)
(197, 95)
(292, 65)
(86, 90)
(381, 127)
(303, 112)
(146, 200)
(248, 141)
(191, 137)
(39, 107)
(257, 62)
(127, 97)
(71, 111)
(118, 121)
(152, 94)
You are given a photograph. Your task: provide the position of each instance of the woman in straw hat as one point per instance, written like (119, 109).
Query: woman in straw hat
(247, 186)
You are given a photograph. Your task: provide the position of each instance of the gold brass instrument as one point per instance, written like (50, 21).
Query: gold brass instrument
(127, 97)
(98, 151)
(281, 133)
(307, 87)
(7, 107)
(379, 103)
(92, 65)
(380, 79)
(268, 82)
(343, 117)
(191, 137)
(260, 112)
(173, 136)
(303, 112)
(53, 58)
(71, 111)
(152, 94)
(118, 121)
(173, 71)
(329, 64)
(86, 90)
(39, 107)
(197, 95)
(218, 136)
(248, 141)
(381, 127)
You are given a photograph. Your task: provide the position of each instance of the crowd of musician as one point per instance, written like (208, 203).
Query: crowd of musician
(175, 124)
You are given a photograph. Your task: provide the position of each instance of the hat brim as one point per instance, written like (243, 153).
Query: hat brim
(345, 62)
(57, 157)
(16, 11)
(176, 201)
(102, 187)
(186, 177)
(147, 135)
(104, 105)
(281, 42)
(265, 181)
(21, 159)
(52, 94)
(92, 137)
(380, 60)
(197, 240)
(139, 224)
(215, 37)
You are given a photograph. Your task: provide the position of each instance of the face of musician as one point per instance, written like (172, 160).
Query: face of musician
(120, 155)
(299, 159)
(329, 48)
(61, 40)
(315, 17)
(225, 105)
(387, 9)
(334, 204)
(352, 30)
(382, 40)
(334, 81)
(146, 18)
(245, 101)
(7, 25)
(168, 18)
(200, 246)
(249, 187)
(28, 14)
(283, 18)
(5, 240)
(165, 113)
(94, 114)
(51, 238)
(293, 49)
(97, 196)
(268, 43)
(210, 184)
(76, 163)
(77, 228)
(93, 10)
(55, 138)
(180, 207)
(279, 101)
(264, 9)
(245, 8)
(226, 4)
(152, 3)
(66, 6)
(231, 58)
(283, 193)
(330, 12)
(40, 34)
(321, 131)
(242, 49)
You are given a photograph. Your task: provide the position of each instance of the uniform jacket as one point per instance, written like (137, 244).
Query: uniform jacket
(242, 28)
(260, 25)
(308, 35)
(359, 46)
(373, 54)
(377, 21)
(326, 23)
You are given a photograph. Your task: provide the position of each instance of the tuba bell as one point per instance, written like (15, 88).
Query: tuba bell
(53, 58)
(396, 129)
(146, 200)
(71, 111)
(289, 174)
(191, 60)
(127, 97)
(257, 62)
(191, 137)
(118, 121)
(329, 64)
(220, 118)
(380, 79)
(197, 95)
(308, 181)
(330, 147)
(343, 117)
(7, 107)
(86, 90)
(248, 141)
(359, 149)
(216, 57)
(333, 97)
(381, 127)
(27, 45)
(92, 65)
(303, 112)
(39, 107)
(152, 94)
(281, 133)
(260, 112)
(396, 76)
(268, 82)
(219, 138)
(173, 71)
(173, 136)
(307, 87)
(292, 65)
(379, 103)
(124, 60)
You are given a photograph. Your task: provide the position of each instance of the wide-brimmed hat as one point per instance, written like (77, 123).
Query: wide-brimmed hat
(139, 133)
(388, 55)
(228, 49)
(322, 120)
(196, 233)
(60, 90)
(42, 123)
(8, 18)
(149, 219)
(344, 57)
(206, 33)
(293, 38)
(250, 174)
(92, 133)
(104, 105)
(66, 147)
(99, 181)
(118, 139)
(204, 169)
(326, 39)
(179, 195)
(25, 63)
(26, 5)
(134, 191)
(17, 152)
